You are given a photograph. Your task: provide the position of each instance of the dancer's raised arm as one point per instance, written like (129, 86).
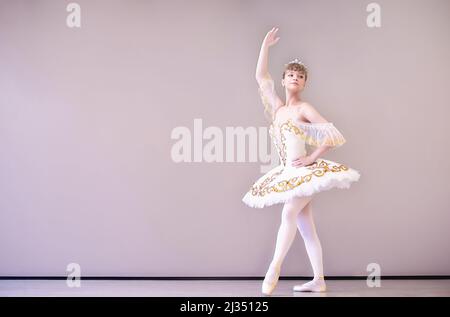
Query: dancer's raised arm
(266, 84)
(262, 69)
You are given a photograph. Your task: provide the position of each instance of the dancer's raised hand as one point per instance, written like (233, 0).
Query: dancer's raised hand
(270, 38)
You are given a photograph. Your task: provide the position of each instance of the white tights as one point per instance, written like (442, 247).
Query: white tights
(297, 214)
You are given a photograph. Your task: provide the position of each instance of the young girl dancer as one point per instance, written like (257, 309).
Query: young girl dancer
(295, 123)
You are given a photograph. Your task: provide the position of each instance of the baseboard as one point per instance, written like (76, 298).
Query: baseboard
(190, 278)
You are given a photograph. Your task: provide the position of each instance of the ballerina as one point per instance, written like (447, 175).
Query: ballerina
(295, 123)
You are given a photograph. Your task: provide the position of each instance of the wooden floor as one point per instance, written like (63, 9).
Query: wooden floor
(218, 288)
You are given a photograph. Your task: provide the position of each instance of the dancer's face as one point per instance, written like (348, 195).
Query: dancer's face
(294, 80)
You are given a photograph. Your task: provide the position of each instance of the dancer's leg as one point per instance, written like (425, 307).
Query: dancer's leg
(307, 228)
(288, 228)
(285, 237)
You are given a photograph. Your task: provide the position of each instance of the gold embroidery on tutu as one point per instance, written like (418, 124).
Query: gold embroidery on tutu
(280, 148)
(336, 140)
(319, 168)
(265, 182)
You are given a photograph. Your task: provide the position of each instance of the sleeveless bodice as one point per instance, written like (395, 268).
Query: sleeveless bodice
(287, 138)
(291, 135)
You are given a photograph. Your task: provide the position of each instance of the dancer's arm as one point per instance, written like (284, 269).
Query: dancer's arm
(262, 74)
(319, 151)
(311, 158)
(314, 116)
(262, 69)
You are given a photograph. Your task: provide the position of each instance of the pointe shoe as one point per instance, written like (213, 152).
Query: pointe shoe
(270, 280)
(316, 285)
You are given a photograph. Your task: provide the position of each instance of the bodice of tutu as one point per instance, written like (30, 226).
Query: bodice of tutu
(291, 136)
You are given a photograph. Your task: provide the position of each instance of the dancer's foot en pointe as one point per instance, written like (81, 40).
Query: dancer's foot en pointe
(271, 280)
(316, 285)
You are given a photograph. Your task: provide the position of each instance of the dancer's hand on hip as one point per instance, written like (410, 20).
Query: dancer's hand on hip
(303, 161)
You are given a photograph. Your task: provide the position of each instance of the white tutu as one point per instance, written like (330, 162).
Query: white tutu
(290, 137)
(280, 184)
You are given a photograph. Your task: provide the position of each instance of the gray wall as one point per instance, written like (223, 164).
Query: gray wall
(86, 117)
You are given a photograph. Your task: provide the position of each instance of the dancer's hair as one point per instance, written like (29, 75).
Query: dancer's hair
(299, 67)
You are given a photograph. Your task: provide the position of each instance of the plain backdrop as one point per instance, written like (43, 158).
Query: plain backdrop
(86, 116)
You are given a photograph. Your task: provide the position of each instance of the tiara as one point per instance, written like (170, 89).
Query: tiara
(296, 61)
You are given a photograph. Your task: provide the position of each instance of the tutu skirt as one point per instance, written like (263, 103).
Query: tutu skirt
(282, 183)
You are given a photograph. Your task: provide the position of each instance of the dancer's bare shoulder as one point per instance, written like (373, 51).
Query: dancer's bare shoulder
(307, 113)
